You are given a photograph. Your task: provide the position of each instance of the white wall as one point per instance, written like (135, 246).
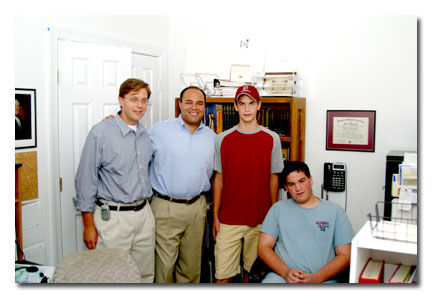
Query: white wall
(372, 64)
(358, 63)
(347, 63)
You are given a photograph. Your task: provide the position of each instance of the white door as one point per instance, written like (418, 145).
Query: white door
(147, 68)
(88, 83)
(89, 78)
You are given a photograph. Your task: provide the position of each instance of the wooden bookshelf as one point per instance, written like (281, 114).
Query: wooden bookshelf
(294, 140)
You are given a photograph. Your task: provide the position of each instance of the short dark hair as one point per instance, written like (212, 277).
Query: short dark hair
(133, 85)
(192, 87)
(292, 166)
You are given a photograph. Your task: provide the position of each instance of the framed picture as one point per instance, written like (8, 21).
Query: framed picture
(351, 130)
(25, 118)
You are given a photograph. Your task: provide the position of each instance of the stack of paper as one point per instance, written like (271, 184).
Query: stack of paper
(226, 88)
(408, 171)
(404, 183)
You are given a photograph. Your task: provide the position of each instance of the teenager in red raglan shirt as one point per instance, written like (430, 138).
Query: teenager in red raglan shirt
(248, 158)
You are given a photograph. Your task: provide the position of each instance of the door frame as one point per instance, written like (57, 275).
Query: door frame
(60, 33)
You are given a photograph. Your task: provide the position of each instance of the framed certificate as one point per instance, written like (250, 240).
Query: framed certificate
(350, 130)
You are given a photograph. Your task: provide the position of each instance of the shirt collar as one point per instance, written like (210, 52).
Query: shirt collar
(124, 128)
(181, 123)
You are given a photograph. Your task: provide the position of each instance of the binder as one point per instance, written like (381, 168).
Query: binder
(372, 272)
(389, 270)
(413, 278)
(401, 275)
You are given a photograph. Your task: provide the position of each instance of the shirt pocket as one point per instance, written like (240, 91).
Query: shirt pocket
(111, 158)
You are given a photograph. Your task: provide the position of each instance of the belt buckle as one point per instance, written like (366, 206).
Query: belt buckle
(188, 202)
(136, 206)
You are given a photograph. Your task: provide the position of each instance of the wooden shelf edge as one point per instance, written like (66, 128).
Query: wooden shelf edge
(285, 139)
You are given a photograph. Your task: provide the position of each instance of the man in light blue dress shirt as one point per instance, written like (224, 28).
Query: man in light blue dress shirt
(180, 171)
(112, 183)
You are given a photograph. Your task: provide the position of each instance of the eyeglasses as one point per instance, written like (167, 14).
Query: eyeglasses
(135, 100)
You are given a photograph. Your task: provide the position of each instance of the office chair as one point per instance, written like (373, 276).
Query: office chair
(107, 265)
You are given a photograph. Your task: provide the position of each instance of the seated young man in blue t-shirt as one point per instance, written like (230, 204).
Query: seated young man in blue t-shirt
(304, 239)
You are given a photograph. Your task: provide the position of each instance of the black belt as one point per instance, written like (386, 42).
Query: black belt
(175, 200)
(123, 208)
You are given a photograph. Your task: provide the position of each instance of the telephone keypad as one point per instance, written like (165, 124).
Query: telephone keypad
(338, 180)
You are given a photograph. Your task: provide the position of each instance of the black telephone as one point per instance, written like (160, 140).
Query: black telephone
(334, 176)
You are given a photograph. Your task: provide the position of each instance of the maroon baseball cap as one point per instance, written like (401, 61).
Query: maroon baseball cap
(248, 90)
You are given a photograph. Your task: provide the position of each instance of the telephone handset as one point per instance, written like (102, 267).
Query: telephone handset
(334, 176)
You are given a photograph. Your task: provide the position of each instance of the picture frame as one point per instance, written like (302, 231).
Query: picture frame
(351, 130)
(25, 118)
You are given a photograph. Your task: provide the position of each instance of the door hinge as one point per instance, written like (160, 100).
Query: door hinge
(159, 85)
(58, 77)
(61, 184)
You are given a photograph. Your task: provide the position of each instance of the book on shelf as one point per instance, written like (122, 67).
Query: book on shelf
(402, 274)
(413, 278)
(373, 272)
(285, 153)
(275, 119)
(210, 116)
(230, 116)
(220, 117)
(389, 269)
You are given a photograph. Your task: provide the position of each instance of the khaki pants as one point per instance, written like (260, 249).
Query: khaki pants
(179, 236)
(132, 231)
(229, 247)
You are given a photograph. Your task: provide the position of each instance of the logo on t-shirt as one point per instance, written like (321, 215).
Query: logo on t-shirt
(323, 225)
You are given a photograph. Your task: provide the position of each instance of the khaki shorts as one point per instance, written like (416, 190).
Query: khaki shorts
(229, 246)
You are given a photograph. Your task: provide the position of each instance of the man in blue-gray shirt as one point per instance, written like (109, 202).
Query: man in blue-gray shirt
(180, 171)
(112, 182)
(304, 239)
